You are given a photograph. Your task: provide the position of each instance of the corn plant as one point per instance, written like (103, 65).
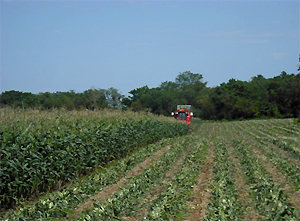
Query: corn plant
(44, 155)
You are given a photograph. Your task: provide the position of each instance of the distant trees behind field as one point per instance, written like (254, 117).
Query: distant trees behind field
(92, 99)
(277, 97)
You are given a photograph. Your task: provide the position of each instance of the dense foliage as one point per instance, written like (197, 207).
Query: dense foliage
(277, 97)
(39, 153)
(91, 99)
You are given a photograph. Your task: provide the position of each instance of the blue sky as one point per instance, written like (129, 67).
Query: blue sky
(75, 45)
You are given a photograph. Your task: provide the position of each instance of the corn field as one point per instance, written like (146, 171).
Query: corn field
(241, 170)
(43, 150)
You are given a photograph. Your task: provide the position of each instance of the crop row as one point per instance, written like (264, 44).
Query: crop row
(125, 200)
(287, 140)
(34, 162)
(290, 170)
(171, 204)
(270, 200)
(59, 204)
(224, 204)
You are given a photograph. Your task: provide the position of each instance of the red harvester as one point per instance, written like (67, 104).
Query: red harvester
(183, 114)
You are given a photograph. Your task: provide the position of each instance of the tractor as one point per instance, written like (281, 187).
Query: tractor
(184, 114)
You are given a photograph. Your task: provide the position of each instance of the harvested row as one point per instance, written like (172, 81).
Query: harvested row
(247, 209)
(279, 126)
(124, 201)
(109, 190)
(171, 202)
(144, 206)
(199, 198)
(289, 142)
(268, 198)
(281, 167)
(223, 188)
(280, 159)
(282, 127)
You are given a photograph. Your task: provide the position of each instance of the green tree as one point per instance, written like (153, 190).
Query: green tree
(187, 78)
(97, 98)
(113, 97)
(138, 93)
(259, 95)
(11, 98)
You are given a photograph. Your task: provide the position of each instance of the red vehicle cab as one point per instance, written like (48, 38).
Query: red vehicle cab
(183, 113)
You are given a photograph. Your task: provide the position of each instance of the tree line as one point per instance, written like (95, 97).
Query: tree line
(92, 99)
(277, 97)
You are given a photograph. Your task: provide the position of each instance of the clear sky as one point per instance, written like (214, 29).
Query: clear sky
(68, 45)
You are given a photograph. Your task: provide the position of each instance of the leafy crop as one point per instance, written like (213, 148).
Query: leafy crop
(47, 154)
(52, 204)
(171, 203)
(270, 199)
(224, 204)
(125, 199)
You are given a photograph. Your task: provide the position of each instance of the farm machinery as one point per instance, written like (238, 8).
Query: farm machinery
(184, 114)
